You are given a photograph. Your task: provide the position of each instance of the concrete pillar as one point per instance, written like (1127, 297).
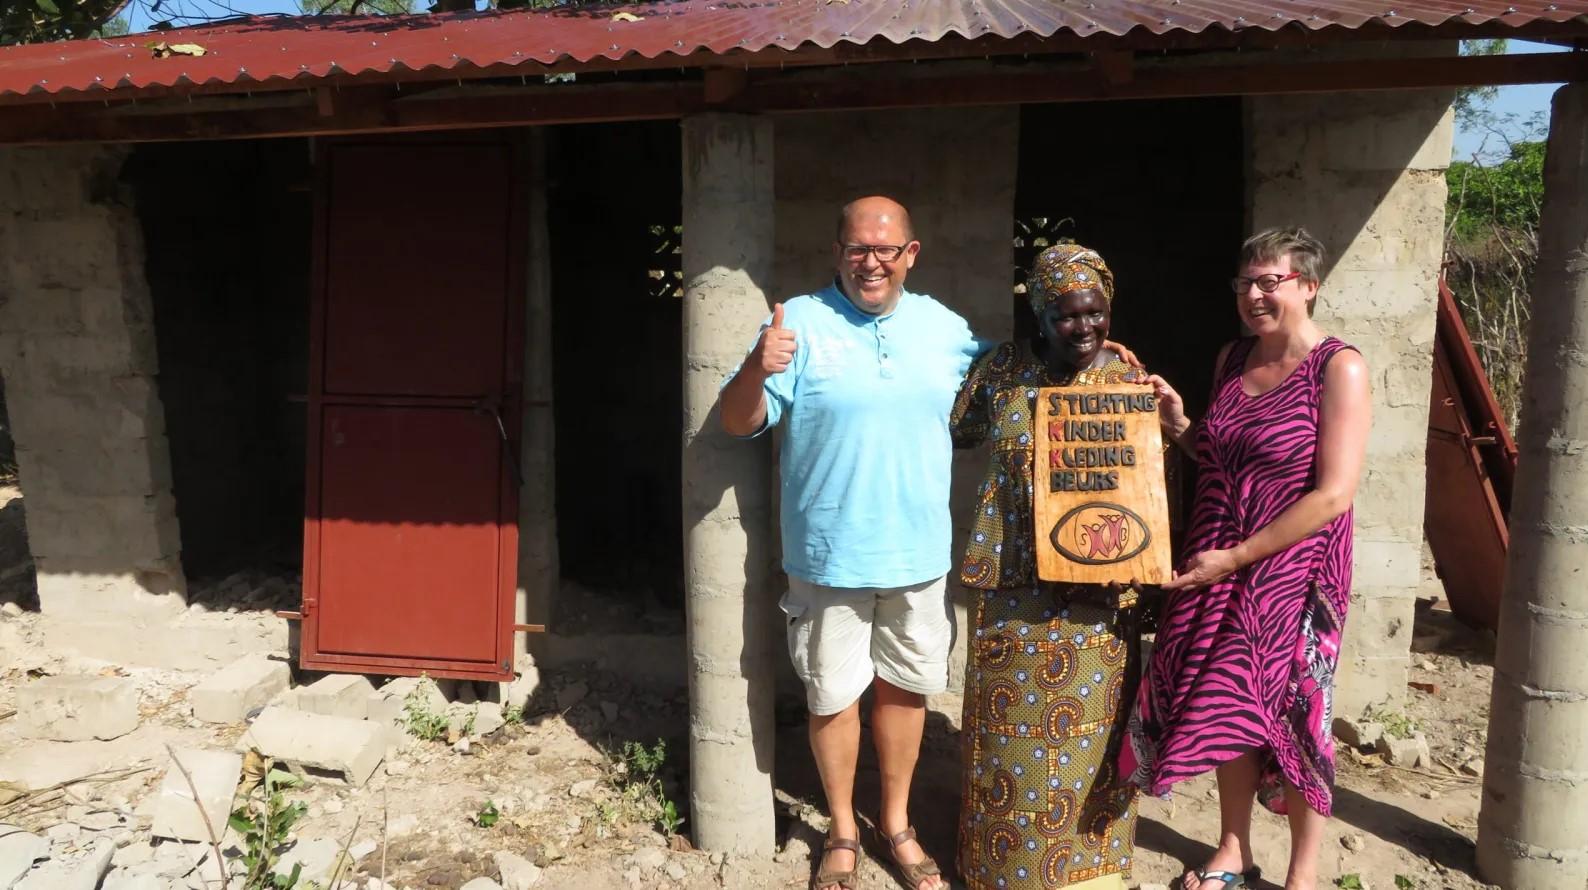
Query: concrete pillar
(1533, 826)
(1365, 173)
(77, 350)
(730, 608)
(538, 571)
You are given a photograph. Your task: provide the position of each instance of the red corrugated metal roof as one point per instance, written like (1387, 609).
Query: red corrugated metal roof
(274, 49)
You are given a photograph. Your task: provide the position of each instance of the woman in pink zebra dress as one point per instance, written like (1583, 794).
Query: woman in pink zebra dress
(1241, 679)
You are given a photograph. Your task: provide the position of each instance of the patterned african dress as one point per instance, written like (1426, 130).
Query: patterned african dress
(1052, 668)
(1248, 663)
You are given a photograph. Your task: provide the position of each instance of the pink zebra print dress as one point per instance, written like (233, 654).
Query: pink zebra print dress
(1248, 663)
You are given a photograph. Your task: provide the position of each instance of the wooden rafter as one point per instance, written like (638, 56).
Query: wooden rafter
(385, 108)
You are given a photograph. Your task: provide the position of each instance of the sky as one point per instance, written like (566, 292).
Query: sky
(1520, 103)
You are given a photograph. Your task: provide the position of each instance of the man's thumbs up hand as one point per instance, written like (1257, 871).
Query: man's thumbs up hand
(775, 349)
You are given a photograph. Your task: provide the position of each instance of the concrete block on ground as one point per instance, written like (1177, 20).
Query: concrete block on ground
(339, 744)
(517, 872)
(487, 718)
(1406, 752)
(215, 775)
(517, 693)
(317, 856)
(248, 683)
(19, 849)
(339, 695)
(78, 708)
(384, 709)
(1358, 733)
(85, 874)
(125, 880)
(398, 691)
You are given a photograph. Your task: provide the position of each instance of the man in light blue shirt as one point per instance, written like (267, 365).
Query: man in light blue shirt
(862, 374)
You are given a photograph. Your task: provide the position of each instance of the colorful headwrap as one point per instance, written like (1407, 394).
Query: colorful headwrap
(1063, 268)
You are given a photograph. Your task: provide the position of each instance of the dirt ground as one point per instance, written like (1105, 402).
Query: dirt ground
(551, 781)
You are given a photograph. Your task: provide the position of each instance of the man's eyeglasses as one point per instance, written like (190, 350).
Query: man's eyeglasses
(1265, 283)
(885, 253)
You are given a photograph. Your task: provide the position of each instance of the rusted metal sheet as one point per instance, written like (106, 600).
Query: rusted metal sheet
(275, 50)
(1471, 463)
(411, 534)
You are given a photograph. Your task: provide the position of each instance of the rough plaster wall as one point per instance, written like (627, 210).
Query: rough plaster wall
(1365, 173)
(77, 350)
(962, 204)
(537, 509)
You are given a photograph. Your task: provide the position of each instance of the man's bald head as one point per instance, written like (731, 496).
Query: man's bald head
(873, 253)
(871, 210)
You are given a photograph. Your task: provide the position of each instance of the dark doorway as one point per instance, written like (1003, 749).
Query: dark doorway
(1157, 188)
(226, 242)
(614, 207)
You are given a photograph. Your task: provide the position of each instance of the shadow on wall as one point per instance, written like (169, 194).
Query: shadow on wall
(228, 270)
(18, 583)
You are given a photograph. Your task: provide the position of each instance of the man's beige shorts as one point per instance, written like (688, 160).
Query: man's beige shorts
(841, 637)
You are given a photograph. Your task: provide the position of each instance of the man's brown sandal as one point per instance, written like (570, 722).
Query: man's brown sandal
(835, 878)
(913, 873)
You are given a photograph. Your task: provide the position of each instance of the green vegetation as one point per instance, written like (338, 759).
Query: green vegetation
(635, 773)
(265, 824)
(1491, 238)
(422, 720)
(35, 21)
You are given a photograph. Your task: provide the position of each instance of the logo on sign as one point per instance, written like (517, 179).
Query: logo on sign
(1100, 534)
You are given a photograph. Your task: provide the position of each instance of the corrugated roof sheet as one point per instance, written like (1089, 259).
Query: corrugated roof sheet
(270, 49)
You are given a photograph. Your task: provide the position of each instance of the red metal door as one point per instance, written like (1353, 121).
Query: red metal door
(411, 535)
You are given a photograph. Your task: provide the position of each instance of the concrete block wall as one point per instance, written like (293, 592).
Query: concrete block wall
(77, 350)
(962, 205)
(1365, 173)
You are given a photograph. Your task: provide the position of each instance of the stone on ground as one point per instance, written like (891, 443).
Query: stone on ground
(649, 859)
(393, 696)
(19, 849)
(1406, 752)
(248, 683)
(78, 708)
(338, 695)
(1358, 733)
(340, 744)
(83, 874)
(481, 884)
(215, 775)
(570, 695)
(317, 855)
(525, 681)
(487, 718)
(517, 872)
(122, 880)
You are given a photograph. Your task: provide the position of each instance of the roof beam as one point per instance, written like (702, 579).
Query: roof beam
(386, 109)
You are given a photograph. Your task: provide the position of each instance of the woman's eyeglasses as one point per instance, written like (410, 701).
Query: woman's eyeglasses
(1265, 283)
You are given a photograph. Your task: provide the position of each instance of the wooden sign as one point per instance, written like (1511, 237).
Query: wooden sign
(1101, 503)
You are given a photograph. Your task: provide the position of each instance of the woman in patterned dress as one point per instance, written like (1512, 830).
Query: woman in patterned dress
(1241, 679)
(1052, 668)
